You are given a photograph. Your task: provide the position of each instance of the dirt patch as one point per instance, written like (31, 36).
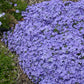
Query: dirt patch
(22, 78)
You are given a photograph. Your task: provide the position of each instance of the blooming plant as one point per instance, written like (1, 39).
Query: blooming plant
(50, 42)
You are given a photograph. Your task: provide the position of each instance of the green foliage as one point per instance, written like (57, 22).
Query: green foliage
(7, 66)
(65, 45)
(21, 5)
(17, 15)
(82, 57)
(55, 30)
(5, 6)
(5, 21)
(11, 17)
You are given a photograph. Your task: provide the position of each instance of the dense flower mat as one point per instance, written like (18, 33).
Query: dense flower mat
(50, 42)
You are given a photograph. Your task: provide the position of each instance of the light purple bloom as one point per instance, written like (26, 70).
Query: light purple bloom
(3, 13)
(15, 4)
(17, 11)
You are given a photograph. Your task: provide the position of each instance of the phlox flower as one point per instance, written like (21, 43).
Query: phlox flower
(15, 4)
(17, 11)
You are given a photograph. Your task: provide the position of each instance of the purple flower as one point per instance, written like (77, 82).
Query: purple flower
(17, 11)
(15, 4)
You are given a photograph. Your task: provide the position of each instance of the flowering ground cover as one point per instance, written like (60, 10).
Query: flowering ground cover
(50, 42)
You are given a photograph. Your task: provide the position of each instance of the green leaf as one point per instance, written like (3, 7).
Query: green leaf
(55, 30)
(82, 57)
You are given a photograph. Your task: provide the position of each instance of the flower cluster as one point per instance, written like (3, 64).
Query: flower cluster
(50, 42)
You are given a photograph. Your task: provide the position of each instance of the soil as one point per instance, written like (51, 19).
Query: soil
(22, 78)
